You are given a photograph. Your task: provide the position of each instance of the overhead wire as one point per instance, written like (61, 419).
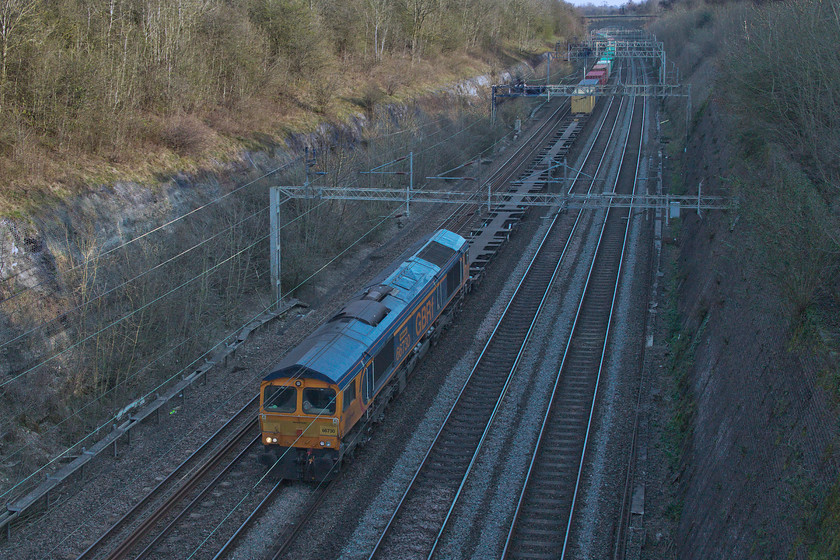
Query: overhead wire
(141, 369)
(138, 276)
(260, 480)
(390, 215)
(286, 165)
(156, 388)
(250, 491)
(155, 300)
(68, 449)
(358, 240)
(160, 227)
(319, 270)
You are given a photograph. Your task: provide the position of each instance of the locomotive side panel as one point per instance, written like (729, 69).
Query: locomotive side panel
(306, 447)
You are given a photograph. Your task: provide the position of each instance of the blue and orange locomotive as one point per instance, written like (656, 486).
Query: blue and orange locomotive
(315, 403)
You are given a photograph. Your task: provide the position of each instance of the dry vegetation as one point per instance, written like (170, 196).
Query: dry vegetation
(773, 68)
(107, 327)
(93, 91)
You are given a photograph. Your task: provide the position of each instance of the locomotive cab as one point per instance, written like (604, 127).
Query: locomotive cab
(313, 403)
(300, 428)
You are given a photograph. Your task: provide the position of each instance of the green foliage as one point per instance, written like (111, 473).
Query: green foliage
(773, 66)
(820, 532)
(682, 345)
(781, 73)
(674, 509)
(827, 546)
(780, 80)
(777, 66)
(795, 232)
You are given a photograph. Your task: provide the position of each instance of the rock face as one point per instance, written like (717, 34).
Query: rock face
(92, 314)
(79, 309)
(762, 456)
(37, 252)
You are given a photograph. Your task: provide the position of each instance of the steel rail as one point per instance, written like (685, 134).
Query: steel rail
(301, 523)
(162, 485)
(460, 394)
(591, 185)
(500, 177)
(149, 522)
(609, 325)
(166, 530)
(620, 545)
(536, 136)
(238, 533)
(479, 362)
(587, 294)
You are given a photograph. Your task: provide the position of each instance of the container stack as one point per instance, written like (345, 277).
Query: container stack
(583, 98)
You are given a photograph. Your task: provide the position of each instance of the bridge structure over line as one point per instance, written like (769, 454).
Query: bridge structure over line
(672, 204)
(658, 90)
(622, 16)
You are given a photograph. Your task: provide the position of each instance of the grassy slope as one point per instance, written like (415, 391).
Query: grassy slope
(750, 63)
(47, 172)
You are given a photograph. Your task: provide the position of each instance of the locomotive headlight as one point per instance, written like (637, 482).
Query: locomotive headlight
(273, 440)
(322, 444)
(267, 439)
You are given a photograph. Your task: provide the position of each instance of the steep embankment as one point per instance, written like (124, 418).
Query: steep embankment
(122, 90)
(114, 294)
(754, 415)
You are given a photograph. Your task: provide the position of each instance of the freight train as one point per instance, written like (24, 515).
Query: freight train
(583, 99)
(316, 403)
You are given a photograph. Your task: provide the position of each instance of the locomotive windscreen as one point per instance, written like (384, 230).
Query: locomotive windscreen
(280, 399)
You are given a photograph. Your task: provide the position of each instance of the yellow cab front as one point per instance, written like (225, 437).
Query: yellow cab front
(300, 428)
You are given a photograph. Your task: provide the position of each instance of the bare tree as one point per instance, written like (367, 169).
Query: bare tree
(418, 11)
(14, 17)
(378, 12)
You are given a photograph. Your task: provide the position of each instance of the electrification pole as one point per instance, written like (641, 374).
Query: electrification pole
(274, 203)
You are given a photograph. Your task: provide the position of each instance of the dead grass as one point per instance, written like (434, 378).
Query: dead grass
(38, 169)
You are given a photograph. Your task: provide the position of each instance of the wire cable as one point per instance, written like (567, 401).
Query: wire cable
(193, 279)
(162, 226)
(155, 300)
(68, 449)
(260, 374)
(138, 276)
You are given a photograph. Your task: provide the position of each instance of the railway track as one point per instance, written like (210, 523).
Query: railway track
(150, 523)
(141, 519)
(518, 163)
(521, 161)
(544, 515)
(460, 218)
(421, 515)
(623, 534)
(149, 527)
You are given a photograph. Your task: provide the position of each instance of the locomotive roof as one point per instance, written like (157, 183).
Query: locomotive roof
(337, 348)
